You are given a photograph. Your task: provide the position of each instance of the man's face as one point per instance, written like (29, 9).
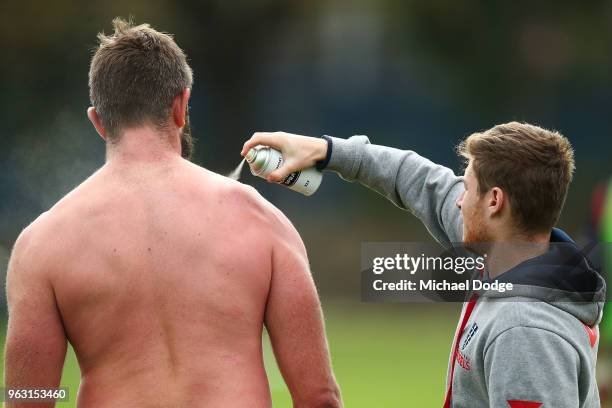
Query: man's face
(472, 206)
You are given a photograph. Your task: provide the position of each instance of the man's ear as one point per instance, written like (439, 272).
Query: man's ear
(496, 200)
(96, 122)
(179, 107)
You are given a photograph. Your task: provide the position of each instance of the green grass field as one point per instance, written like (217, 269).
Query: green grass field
(384, 355)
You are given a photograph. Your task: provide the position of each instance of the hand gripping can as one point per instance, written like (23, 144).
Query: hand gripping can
(263, 160)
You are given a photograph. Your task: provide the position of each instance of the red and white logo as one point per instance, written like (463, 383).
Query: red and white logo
(463, 361)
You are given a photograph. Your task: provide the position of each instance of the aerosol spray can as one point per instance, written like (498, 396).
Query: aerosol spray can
(263, 160)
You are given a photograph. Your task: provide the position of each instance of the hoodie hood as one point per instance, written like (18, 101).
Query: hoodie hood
(562, 277)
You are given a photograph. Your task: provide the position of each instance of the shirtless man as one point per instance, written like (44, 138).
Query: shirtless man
(160, 273)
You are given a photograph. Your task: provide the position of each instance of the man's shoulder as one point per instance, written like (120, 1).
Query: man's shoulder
(34, 247)
(81, 199)
(243, 197)
(42, 239)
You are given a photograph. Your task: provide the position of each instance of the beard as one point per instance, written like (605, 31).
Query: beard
(476, 236)
(187, 140)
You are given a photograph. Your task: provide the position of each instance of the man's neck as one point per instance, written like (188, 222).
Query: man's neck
(143, 145)
(507, 252)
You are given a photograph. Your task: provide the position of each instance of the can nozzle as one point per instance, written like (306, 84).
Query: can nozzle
(251, 155)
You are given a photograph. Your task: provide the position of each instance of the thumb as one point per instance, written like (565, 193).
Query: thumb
(277, 175)
(282, 172)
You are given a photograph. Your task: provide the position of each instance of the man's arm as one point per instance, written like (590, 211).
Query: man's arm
(531, 365)
(294, 322)
(410, 181)
(35, 340)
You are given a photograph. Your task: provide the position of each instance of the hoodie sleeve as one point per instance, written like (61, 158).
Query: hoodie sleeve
(410, 181)
(531, 367)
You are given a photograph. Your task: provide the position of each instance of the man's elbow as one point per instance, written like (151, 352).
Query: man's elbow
(330, 400)
(323, 399)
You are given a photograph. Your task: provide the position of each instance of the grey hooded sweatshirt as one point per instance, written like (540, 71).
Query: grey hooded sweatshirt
(535, 346)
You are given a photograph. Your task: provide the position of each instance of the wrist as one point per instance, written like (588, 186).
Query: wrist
(323, 152)
(320, 149)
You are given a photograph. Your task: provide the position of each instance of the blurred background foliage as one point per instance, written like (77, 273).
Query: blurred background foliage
(414, 75)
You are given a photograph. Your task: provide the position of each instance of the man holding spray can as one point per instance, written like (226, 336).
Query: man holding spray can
(538, 352)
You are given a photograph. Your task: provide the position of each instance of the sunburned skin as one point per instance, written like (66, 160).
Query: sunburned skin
(162, 275)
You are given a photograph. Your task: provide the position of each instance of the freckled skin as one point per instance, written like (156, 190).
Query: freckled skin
(162, 278)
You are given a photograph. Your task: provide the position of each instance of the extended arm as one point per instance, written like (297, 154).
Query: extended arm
(35, 339)
(410, 181)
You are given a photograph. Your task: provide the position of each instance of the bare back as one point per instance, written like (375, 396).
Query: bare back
(165, 281)
(162, 277)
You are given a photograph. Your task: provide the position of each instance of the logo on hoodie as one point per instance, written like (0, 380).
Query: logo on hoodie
(470, 335)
